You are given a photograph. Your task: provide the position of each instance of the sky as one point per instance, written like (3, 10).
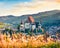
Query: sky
(23, 7)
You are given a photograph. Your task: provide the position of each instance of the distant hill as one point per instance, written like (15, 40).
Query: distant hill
(46, 18)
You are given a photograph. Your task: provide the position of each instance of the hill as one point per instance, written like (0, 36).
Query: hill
(47, 18)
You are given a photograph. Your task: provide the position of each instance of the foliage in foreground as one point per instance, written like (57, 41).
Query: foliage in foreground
(23, 41)
(53, 45)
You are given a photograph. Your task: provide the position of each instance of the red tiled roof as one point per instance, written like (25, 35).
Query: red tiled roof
(31, 19)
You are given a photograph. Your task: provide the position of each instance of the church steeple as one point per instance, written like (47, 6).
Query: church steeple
(22, 22)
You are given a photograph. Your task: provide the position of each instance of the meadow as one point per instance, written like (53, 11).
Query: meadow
(21, 40)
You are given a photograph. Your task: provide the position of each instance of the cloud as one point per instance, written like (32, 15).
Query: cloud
(30, 7)
(58, 1)
(49, 0)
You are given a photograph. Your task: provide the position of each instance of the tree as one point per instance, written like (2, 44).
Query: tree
(18, 27)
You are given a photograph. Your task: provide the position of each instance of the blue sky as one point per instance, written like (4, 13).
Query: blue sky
(14, 1)
(6, 4)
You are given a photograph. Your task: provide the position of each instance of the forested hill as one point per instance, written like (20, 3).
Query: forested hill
(47, 18)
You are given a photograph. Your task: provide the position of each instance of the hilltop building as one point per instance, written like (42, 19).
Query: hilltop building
(30, 25)
(22, 28)
(31, 19)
